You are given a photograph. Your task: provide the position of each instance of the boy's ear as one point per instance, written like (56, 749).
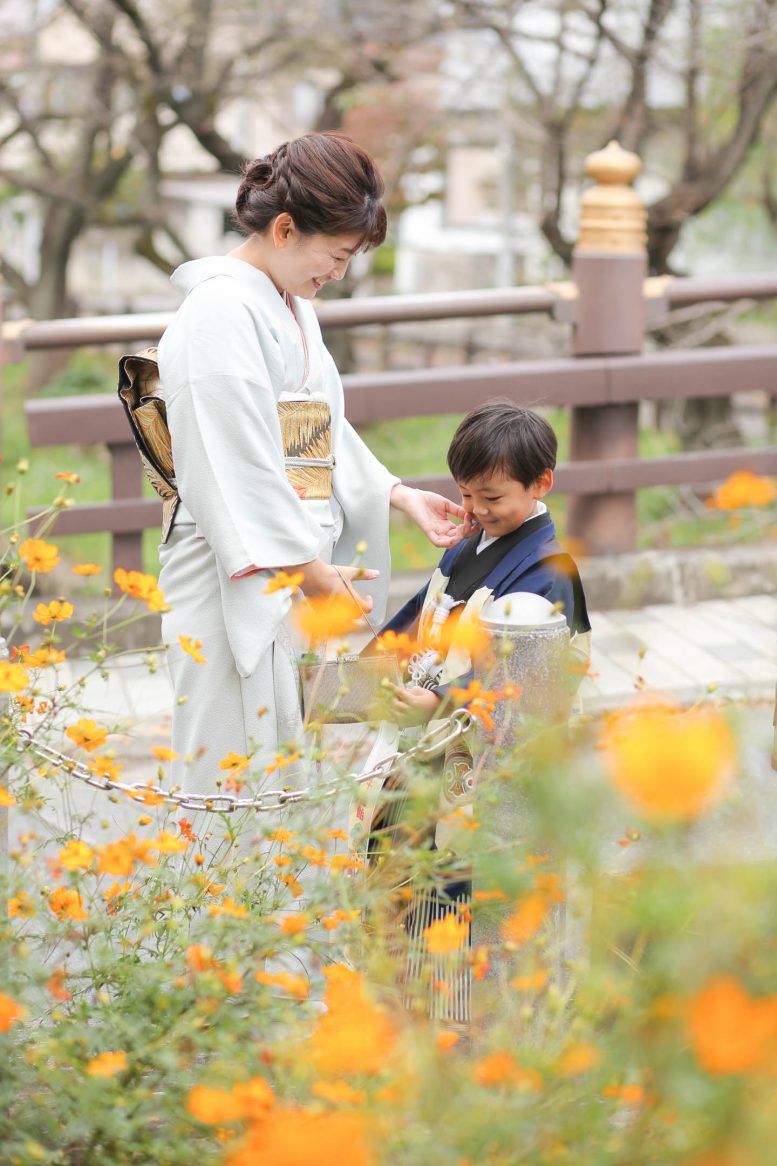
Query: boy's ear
(543, 484)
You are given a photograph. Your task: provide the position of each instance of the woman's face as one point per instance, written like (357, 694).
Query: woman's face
(302, 264)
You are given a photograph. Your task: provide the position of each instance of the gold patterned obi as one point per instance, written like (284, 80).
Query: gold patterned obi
(306, 434)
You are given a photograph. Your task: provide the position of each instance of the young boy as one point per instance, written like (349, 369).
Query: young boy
(502, 458)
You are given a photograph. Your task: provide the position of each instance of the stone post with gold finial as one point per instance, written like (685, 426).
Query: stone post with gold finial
(609, 268)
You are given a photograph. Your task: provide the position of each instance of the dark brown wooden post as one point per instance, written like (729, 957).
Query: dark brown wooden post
(609, 269)
(127, 482)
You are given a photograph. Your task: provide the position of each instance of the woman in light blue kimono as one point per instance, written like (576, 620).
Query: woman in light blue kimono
(269, 473)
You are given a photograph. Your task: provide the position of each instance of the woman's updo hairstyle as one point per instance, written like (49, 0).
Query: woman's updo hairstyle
(328, 184)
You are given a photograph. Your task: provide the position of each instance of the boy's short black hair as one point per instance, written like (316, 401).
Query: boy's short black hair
(501, 437)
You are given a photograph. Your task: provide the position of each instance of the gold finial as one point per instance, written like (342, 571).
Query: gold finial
(612, 215)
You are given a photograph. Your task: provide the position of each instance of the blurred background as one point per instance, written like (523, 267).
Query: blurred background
(124, 125)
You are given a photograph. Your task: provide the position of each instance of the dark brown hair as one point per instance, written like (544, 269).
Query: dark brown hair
(328, 184)
(502, 438)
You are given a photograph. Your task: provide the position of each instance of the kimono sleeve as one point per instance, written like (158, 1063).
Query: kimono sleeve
(227, 448)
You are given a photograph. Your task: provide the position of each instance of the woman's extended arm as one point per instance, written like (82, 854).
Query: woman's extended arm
(432, 514)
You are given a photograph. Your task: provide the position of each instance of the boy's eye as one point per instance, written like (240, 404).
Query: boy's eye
(496, 499)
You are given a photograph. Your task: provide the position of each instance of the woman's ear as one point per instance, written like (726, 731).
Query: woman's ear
(543, 484)
(283, 230)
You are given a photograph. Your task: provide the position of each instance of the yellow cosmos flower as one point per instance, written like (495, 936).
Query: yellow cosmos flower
(39, 555)
(21, 906)
(192, 648)
(13, 677)
(43, 658)
(54, 612)
(670, 764)
(6, 799)
(76, 855)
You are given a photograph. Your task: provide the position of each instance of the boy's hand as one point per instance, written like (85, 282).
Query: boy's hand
(412, 706)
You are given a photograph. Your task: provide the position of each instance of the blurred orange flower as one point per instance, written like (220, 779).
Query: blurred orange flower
(86, 569)
(119, 858)
(327, 618)
(39, 555)
(295, 985)
(43, 658)
(67, 904)
(354, 1035)
(54, 612)
(163, 753)
(293, 1136)
(338, 1092)
(578, 1058)
(282, 580)
(87, 734)
(532, 909)
(107, 767)
(107, 1065)
(21, 906)
(502, 1068)
(446, 935)
(213, 1106)
(72, 479)
(229, 907)
(743, 488)
(6, 799)
(10, 1012)
(731, 1031)
(668, 763)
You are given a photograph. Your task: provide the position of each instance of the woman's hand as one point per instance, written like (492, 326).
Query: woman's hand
(433, 514)
(322, 579)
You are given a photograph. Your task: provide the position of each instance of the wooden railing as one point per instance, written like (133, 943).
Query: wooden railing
(602, 391)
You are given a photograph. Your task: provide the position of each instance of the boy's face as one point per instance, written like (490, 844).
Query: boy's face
(499, 504)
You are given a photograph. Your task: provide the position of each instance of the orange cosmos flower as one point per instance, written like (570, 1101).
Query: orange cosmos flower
(294, 924)
(6, 799)
(107, 1065)
(213, 1106)
(293, 1136)
(281, 761)
(13, 677)
(43, 658)
(731, 1031)
(107, 767)
(71, 479)
(502, 1068)
(192, 648)
(119, 858)
(87, 734)
(167, 843)
(446, 1040)
(140, 586)
(743, 488)
(281, 580)
(400, 643)
(163, 753)
(76, 855)
(229, 907)
(578, 1058)
(86, 569)
(185, 826)
(670, 764)
(354, 1035)
(39, 555)
(533, 982)
(627, 1094)
(297, 986)
(338, 916)
(446, 935)
(338, 1092)
(21, 906)
(532, 909)
(10, 1012)
(54, 612)
(67, 904)
(327, 618)
(55, 986)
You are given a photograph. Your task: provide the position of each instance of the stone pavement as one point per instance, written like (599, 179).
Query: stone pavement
(714, 650)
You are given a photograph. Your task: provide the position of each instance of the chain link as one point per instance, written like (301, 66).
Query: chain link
(430, 745)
